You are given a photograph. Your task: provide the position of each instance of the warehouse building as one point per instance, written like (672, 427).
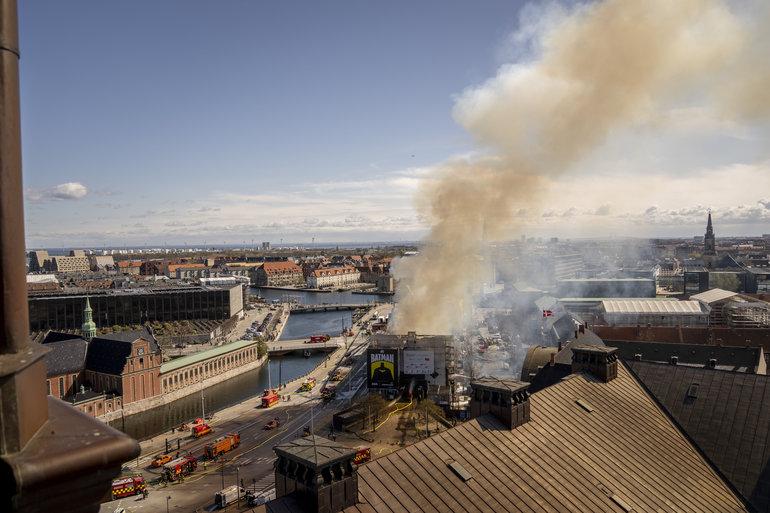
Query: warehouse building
(633, 312)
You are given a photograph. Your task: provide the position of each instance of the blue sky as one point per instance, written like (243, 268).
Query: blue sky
(192, 121)
(154, 105)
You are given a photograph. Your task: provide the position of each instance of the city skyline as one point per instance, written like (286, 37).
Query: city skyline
(203, 145)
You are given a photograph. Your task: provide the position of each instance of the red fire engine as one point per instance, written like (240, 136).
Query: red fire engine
(179, 467)
(128, 486)
(269, 398)
(222, 444)
(363, 454)
(198, 430)
(320, 338)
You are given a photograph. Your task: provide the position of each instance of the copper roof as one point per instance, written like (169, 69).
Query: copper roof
(727, 414)
(624, 451)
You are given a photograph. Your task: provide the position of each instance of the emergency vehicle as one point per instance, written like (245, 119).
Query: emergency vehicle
(179, 467)
(199, 430)
(363, 454)
(161, 460)
(319, 338)
(128, 486)
(307, 385)
(329, 391)
(222, 444)
(269, 398)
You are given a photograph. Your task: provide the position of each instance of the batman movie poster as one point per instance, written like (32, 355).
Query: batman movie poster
(383, 368)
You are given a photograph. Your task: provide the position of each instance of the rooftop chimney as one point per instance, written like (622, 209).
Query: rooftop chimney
(319, 472)
(506, 399)
(601, 361)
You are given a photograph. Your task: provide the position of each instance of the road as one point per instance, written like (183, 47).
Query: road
(252, 461)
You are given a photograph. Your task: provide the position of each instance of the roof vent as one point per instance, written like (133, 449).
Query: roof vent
(620, 502)
(638, 357)
(692, 392)
(585, 405)
(712, 364)
(674, 360)
(460, 471)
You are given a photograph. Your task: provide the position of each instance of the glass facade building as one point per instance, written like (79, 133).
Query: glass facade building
(118, 307)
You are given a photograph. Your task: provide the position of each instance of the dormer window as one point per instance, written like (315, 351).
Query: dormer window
(140, 351)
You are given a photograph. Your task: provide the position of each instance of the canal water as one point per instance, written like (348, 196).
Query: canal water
(216, 397)
(319, 298)
(305, 325)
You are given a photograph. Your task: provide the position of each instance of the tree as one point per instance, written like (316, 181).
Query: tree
(372, 406)
(429, 409)
(261, 348)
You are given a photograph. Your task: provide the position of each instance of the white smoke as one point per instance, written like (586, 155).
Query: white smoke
(597, 68)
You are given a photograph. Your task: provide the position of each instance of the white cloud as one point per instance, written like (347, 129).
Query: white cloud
(64, 191)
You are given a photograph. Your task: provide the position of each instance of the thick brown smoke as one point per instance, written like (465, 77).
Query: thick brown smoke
(599, 68)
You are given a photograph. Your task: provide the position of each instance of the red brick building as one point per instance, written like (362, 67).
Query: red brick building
(126, 364)
(278, 274)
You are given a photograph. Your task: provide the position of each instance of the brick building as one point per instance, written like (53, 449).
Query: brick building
(333, 277)
(278, 274)
(125, 364)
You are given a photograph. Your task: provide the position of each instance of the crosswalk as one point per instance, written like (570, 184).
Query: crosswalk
(264, 486)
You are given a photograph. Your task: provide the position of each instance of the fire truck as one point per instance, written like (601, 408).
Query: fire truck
(222, 444)
(319, 338)
(179, 467)
(199, 430)
(363, 454)
(307, 385)
(329, 391)
(128, 486)
(269, 398)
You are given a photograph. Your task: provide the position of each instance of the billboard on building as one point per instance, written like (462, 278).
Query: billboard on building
(382, 365)
(418, 362)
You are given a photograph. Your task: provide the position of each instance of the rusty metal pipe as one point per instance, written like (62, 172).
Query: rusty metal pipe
(14, 314)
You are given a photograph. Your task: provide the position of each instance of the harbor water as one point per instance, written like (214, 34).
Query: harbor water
(217, 397)
(319, 298)
(305, 325)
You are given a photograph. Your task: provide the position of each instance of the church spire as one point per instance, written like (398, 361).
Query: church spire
(88, 329)
(709, 240)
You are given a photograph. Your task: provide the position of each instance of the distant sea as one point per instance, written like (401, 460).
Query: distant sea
(230, 247)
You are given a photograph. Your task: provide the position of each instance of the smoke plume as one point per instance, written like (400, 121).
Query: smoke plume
(592, 70)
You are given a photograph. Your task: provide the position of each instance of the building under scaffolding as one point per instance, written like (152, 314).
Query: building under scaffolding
(747, 314)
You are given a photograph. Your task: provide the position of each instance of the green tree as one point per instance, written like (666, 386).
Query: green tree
(261, 348)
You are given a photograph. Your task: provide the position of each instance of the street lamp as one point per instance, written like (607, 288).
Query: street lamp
(238, 488)
(167, 499)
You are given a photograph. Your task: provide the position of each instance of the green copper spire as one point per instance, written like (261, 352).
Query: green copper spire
(89, 326)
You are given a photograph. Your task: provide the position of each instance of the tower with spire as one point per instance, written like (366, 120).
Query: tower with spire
(709, 241)
(88, 329)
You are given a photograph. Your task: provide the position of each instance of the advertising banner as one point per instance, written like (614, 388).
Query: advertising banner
(418, 362)
(382, 365)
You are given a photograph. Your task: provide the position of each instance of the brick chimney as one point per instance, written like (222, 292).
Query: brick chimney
(506, 399)
(318, 472)
(601, 361)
